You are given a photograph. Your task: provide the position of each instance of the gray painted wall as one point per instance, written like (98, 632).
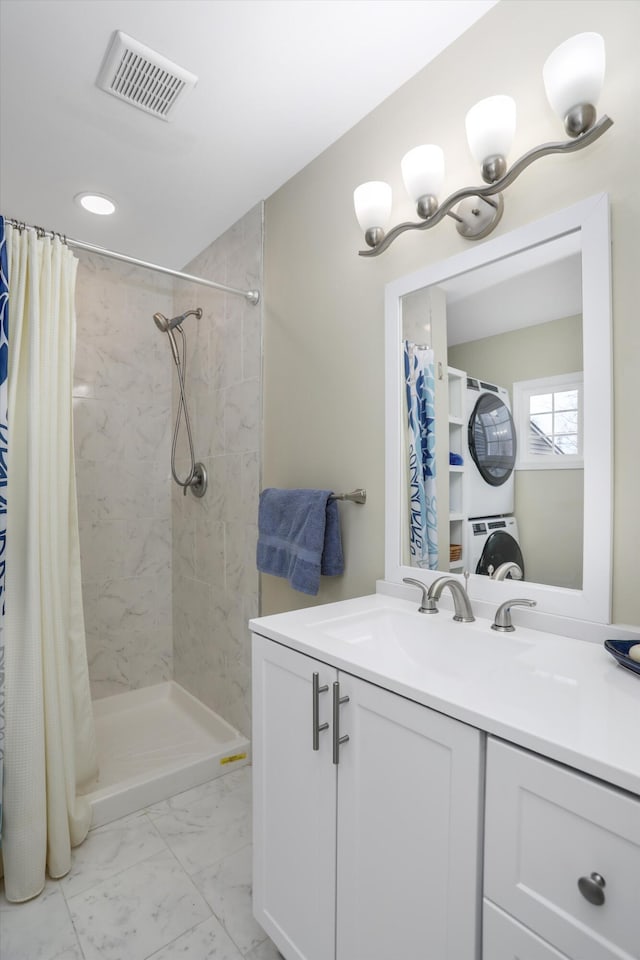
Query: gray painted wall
(324, 313)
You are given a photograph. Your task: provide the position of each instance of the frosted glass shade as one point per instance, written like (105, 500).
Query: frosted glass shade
(574, 73)
(491, 127)
(423, 171)
(372, 202)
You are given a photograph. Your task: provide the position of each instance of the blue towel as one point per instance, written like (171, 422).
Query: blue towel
(299, 537)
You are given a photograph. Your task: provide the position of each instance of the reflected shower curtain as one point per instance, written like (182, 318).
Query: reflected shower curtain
(50, 740)
(423, 514)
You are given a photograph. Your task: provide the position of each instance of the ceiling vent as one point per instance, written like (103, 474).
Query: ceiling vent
(142, 77)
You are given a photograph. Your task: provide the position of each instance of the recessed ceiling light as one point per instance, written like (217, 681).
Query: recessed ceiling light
(96, 203)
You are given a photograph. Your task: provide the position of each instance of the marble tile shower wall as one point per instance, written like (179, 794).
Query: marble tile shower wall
(122, 414)
(215, 583)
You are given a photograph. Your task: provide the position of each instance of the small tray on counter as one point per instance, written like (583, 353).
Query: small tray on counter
(619, 650)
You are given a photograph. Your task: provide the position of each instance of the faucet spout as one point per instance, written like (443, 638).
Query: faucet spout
(510, 567)
(461, 603)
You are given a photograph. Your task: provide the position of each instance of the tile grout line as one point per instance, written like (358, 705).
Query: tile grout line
(73, 926)
(117, 873)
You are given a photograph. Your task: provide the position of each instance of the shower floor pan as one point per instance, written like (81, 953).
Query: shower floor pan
(154, 743)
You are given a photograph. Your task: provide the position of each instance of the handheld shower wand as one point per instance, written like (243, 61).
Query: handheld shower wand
(196, 479)
(168, 326)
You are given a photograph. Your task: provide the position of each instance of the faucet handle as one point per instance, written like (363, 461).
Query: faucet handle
(428, 605)
(502, 621)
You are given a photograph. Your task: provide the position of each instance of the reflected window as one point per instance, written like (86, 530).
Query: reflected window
(548, 416)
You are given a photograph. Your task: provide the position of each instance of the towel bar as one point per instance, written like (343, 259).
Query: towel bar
(356, 496)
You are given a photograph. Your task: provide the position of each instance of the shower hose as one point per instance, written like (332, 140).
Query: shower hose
(181, 368)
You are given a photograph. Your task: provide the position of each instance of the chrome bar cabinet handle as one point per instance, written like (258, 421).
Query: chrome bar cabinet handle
(317, 727)
(337, 739)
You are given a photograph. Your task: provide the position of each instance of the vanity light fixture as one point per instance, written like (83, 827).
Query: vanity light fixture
(96, 203)
(573, 77)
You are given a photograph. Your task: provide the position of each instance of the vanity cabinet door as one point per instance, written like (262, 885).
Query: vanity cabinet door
(294, 803)
(503, 938)
(549, 827)
(408, 830)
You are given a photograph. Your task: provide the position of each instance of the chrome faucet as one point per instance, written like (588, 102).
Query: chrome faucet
(509, 567)
(502, 621)
(424, 603)
(461, 603)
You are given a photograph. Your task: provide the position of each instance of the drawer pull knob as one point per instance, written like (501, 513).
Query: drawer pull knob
(592, 889)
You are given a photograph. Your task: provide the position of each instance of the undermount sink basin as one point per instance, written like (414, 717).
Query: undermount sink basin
(388, 634)
(383, 625)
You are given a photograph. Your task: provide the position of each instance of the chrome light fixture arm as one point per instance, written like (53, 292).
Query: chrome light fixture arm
(488, 220)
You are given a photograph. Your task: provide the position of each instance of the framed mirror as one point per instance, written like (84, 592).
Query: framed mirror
(509, 346)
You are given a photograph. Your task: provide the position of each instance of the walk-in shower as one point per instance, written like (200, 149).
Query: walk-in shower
(167, 644)
(196, 479)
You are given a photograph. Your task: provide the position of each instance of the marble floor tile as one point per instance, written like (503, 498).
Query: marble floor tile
(75, 953)
(207, 941)
(264, 951)
(232, 788)
(40, 929)
(109, 850)
(226, 887)
(135, 913)
(207, 823)
(127, 896)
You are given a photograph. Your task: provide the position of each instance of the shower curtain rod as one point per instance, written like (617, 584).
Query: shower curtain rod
(253, 296)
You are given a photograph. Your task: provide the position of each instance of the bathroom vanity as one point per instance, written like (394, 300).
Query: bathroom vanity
(430, 789)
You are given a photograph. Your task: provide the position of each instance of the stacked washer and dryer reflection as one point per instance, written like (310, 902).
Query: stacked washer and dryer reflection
(491, 530)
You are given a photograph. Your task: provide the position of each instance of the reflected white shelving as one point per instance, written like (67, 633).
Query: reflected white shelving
(457, 381)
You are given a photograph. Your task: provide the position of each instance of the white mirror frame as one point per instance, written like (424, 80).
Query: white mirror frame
(593, 601)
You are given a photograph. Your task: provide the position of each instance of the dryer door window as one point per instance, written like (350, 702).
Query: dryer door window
(492, 439)
(500, 548)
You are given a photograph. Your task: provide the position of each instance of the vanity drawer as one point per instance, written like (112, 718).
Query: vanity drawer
(546, 827)
(503, 938)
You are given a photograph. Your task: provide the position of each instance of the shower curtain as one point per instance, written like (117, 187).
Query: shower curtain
(50, 740)
(423, 514)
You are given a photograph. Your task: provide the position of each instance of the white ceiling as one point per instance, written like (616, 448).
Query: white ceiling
(279, 81)
(536, 285)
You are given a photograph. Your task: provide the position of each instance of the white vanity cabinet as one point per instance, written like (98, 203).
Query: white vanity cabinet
(503, 938)
(377, 855)
(562, 858)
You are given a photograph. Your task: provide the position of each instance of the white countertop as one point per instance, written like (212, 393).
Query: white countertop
(564, 698)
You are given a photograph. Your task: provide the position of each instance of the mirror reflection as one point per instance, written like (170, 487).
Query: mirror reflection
(493, 423)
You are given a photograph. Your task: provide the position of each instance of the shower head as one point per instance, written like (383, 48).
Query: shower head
(161, 322)
(165, 325)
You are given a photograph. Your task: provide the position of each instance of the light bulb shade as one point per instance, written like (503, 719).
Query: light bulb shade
(423, 171)
(372, 202)
(491, 127)
(574, 73)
